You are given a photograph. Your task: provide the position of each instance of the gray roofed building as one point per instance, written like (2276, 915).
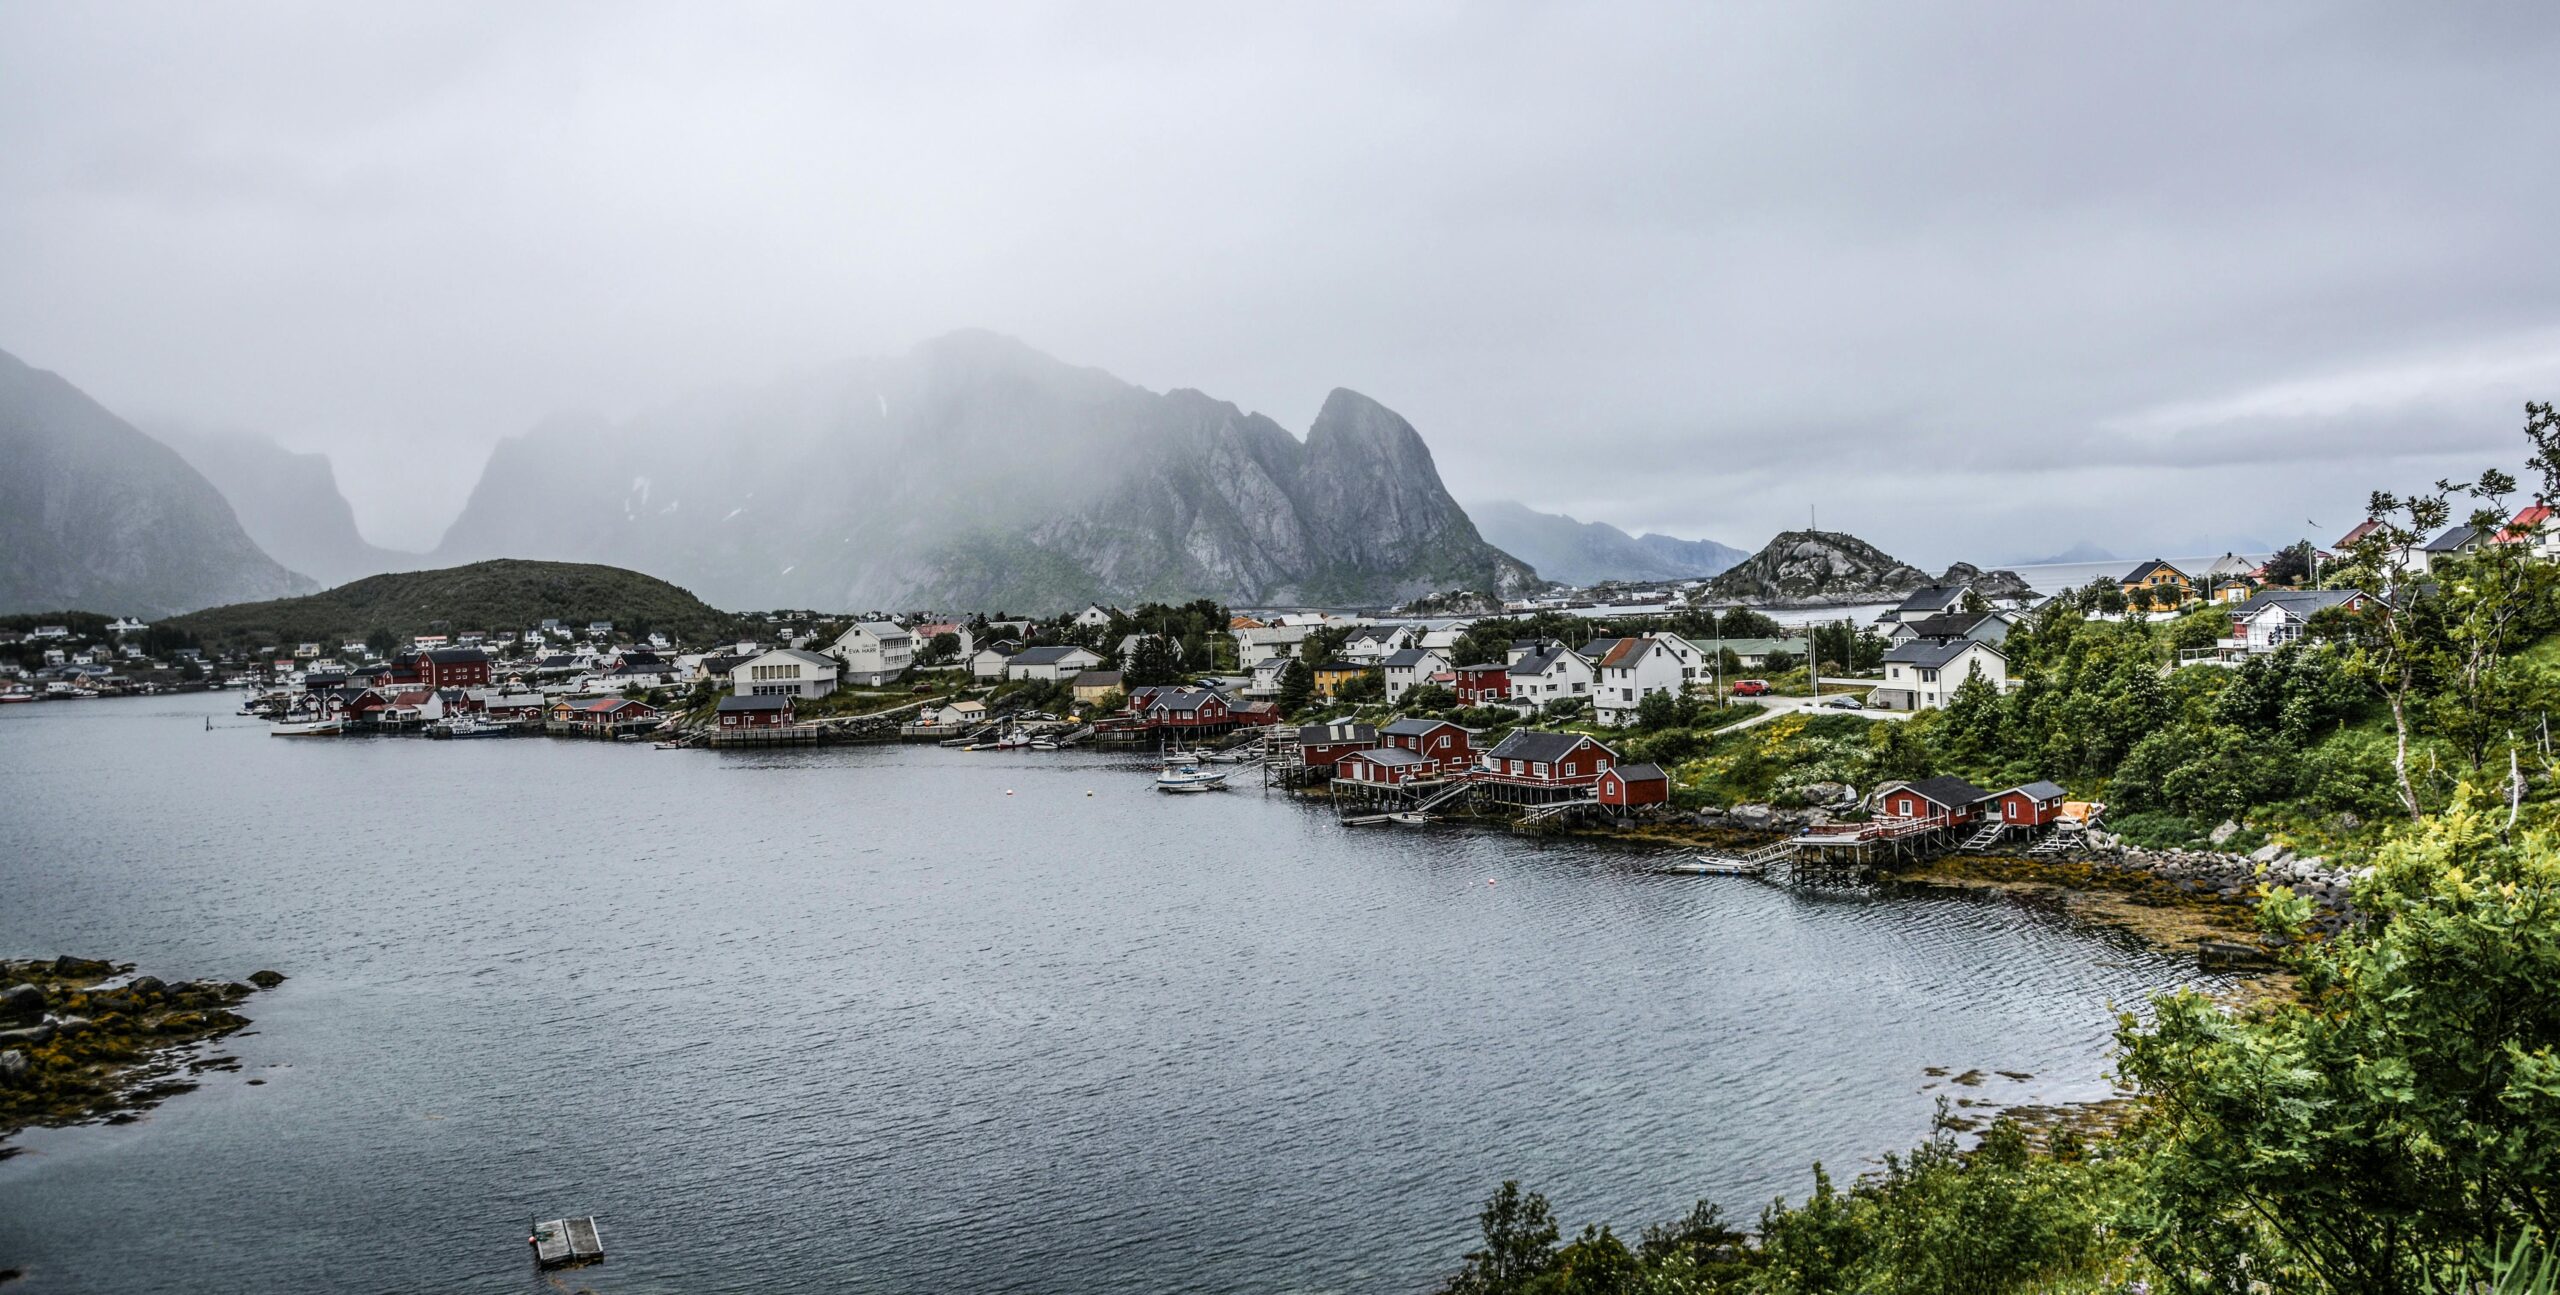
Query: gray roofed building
(1336, 733)
(1414, 726)
(1933, 653)
(2458, 539)
(1928, 600)
(1531, 744)
(1390, 755)
(2040, 790)
(732, 705)
(1946, 790)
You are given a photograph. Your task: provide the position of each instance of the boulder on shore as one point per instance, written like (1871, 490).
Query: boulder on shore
(21, 1003)
(2221, 836)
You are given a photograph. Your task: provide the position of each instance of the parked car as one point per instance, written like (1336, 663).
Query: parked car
(1751, 688)
(1845, 701)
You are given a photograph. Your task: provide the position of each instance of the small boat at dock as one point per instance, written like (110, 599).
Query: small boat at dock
(1709, 865)
(313, 728)
(465, 726)
(1191, 778)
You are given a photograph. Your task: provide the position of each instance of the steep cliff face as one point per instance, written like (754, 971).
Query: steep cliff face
(1586, 553)
(1814, 567)
(96, 516)
(977, 472)
(289, 504)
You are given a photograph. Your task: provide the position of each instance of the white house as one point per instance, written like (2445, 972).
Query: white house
(1056, 661)
(1982, 627)
(1928, 600)
(785, 672)
(874, 652)
(1373, 644)
(1549, 674)
(1409, 669)
(1632, 669)
(1255, 646)
(126, 625)
(1094, 616)
(989, 662)
(1924, 674)
(1264, 679)
(958, 714)
(2275, 617)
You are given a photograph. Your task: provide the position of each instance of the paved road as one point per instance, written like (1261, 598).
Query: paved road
(1773, 707)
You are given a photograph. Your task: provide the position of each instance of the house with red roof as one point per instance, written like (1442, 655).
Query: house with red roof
(2538, 526)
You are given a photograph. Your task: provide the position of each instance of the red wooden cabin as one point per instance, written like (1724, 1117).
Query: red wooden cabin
(2035, 804)
(1630, 785)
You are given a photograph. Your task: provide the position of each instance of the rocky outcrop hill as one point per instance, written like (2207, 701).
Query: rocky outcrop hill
(96, 516)
(978, 473)
(1812, 568)
(1830, 568)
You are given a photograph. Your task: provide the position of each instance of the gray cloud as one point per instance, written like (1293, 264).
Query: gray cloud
(1981, 280)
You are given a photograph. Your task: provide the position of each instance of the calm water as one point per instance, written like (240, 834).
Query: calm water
(856, 1019)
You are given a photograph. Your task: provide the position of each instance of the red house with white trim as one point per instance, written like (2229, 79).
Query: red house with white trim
(755, 712)
(1384, 766)
(1447, 746)
(2033, 804)
(1947, 800)
(1533, 759)
(463, 667)
(1322, 746)
(1481, 685)
(1628, 786)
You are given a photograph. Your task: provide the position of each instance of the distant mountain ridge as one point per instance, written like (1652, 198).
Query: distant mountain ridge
(289, 503)
(2080, 552)
(1585, 553)
(491, 596)
(1831, 568)
(978, 473)
(96, 516)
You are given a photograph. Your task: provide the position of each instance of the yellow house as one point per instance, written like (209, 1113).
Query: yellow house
(2169, 586)
(1094, 685)
(1335, 674)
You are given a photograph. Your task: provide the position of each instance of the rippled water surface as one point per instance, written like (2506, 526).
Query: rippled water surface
(857, 1019)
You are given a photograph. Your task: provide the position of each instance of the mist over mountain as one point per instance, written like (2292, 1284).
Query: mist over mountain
(1584, 553)
(96, 516)
(976, 472)
(289, 503)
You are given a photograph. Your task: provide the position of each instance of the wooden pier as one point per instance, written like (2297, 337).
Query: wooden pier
(563, 1243)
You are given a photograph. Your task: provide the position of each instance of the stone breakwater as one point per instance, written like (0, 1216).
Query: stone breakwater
(2236, 877)
(82, 1039)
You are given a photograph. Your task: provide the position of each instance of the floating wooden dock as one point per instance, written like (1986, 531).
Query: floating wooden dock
(562, 1243)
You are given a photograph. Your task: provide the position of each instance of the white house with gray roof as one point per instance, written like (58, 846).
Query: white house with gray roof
(875, 652)
(1052, 661)
(1924, 674)
(1408, 669)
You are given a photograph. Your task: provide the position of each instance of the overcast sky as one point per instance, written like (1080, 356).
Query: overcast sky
(1980, 281)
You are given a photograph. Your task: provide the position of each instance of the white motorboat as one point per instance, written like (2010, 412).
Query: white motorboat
(313, 728)
(1191, 777)
(466, 726)
(1709, 865)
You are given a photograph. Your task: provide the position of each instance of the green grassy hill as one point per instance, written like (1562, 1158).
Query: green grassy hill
(505, 594)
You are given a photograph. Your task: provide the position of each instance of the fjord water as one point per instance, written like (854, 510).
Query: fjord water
(858, 1019)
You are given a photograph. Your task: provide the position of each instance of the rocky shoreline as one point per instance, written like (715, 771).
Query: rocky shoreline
(82, 1040)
